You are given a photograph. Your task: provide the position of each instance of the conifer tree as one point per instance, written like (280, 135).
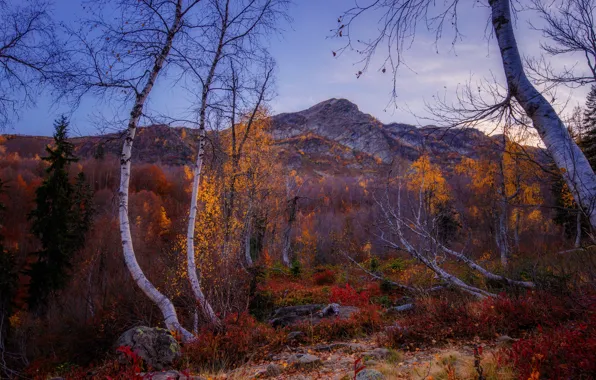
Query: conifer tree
(8, 283)
(588, 141)
(60, 220)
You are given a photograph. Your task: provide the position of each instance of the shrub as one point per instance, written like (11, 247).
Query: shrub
(567, 352)
(441, 319)
(349, 296)
(364, 321)
(240, 337)
(326, 277)
(295, 268)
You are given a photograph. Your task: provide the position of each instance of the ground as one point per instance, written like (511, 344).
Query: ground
(338, 361)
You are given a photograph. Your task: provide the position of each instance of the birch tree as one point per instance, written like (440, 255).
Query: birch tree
(407, 223)
(124, 58)
(398, 24)
(238, 25)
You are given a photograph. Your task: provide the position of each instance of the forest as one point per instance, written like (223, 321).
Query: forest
(229, 241)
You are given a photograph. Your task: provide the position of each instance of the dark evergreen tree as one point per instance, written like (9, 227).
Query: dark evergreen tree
(588, 140)
(447, 222)
(8, 283)
(60, 220)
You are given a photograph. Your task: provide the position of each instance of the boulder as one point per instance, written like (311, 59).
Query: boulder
(273, 370)
(156, 346)
(304, 361)
(313, 313)
(289, 315)
(370, 374)
(294, 335)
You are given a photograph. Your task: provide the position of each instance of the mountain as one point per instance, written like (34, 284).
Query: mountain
(337, 130)
(333, 136)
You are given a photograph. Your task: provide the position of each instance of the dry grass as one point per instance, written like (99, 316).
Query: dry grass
(447, 365)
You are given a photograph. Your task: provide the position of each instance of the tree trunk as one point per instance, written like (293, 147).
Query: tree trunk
(197, 171)
(578, 229)
(287, 242)
(163, 302)
(573, 164)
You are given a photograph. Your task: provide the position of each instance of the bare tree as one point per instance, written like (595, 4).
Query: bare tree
(569, 27)
(398, 25)
(30, 56)
(414, 230)
(238, 26)
(126, 56)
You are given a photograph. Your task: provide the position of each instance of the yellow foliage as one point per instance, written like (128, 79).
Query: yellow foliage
(427, 178)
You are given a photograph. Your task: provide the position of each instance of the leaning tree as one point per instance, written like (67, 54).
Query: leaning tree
(520, 99)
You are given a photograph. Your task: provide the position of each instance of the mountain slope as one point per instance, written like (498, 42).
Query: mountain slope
(333, 136)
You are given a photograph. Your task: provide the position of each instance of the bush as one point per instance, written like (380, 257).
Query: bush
(349, 296)
(325, 277)
(562, 353)
(295, 268)
(240, 337)
(365, 321)
(442, 319)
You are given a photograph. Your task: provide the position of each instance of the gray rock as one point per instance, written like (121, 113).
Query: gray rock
(273, 370)
(377, 353)
(370, 374)
(402, 308)
(314, 313)
(304, 361)
(294, 335)
(156, 346)
(330, 310)
(286, 316)
(506, 339)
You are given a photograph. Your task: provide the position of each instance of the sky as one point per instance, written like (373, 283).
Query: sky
(308, 73)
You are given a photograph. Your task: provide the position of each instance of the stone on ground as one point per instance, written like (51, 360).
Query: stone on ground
(370, 374)
(156, 346)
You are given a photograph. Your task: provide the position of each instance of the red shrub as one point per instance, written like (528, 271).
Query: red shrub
(349, 296)
(326, 277)
(240, 337)
(440, 319)
(563, 353)
(364, 321)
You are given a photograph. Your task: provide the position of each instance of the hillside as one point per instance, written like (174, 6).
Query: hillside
(333, 136)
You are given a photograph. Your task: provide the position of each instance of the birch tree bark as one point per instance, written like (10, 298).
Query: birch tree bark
(197, 171)
(163, 302)
(576, 169)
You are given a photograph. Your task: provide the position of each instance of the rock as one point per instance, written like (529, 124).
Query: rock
(377, 353)
(402, 308)
(168, 375)
(304, 361)
(370, 374)
(506, 339)
(286, 316)
(156, 346)
(273, 370)
(313, 314)
(294, 335)
(330, 310)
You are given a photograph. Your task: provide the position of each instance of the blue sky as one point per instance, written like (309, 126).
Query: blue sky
(308, 73)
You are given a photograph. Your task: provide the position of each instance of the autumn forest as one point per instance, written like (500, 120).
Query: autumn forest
(236, 240)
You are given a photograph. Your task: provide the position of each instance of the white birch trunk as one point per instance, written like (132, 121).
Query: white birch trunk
(190, 247)
(575, 168)
(578, 229)
(165, 305)
(197, 172)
